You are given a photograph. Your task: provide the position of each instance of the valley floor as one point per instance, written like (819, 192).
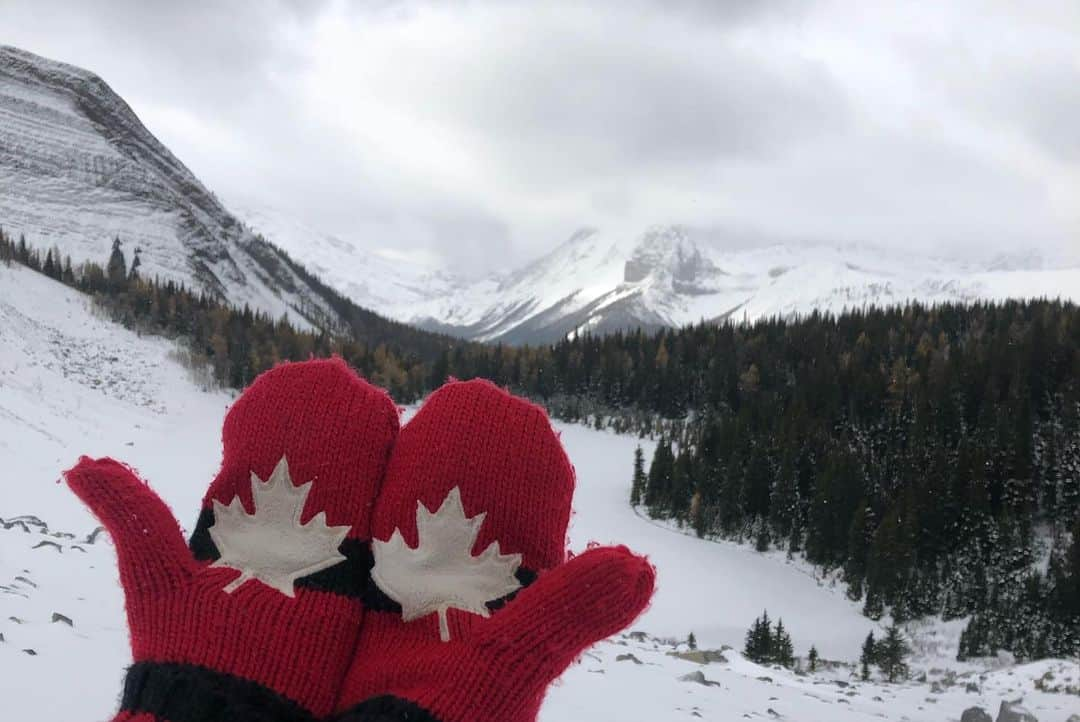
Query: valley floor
(73, 383)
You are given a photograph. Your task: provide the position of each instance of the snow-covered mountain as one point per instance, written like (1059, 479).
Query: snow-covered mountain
(667, 276)
(78, 168)
(73, 383)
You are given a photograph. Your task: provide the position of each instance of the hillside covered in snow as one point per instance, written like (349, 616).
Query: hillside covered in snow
(72, 383)
(78, 169)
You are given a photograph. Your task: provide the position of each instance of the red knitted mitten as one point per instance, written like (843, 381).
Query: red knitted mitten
(259, 619)
(474, 508)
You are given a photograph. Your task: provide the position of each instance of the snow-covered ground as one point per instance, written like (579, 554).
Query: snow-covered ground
(73, 383)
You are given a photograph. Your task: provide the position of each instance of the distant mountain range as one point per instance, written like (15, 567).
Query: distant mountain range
(77, 168)
(666, 276)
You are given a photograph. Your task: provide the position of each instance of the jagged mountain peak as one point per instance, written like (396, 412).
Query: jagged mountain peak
(669, 255)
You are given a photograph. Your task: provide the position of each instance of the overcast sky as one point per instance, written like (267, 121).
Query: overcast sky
(481, 134)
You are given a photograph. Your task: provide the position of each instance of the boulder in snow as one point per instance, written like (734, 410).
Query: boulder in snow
(701, 656)
(698, 677)
(976, 714)
(1013, 712)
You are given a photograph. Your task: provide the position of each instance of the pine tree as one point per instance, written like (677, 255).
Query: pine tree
(860, 534)
(697, 515)
(681, 484)
(637, 485)
(752, 645)
(116, 270)
(7, 251)
(782, 652)
(49, 269)
(783, 498)
(756, 484)
(761, 537)
(759, 640)
(658, 486)
(812, 658)
(67, 275)
(891, 654)
(136, 263)
(691, 641)
(868, 656)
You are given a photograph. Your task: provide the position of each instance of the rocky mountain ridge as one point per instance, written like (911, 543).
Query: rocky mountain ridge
(600, 281)
(78, 168)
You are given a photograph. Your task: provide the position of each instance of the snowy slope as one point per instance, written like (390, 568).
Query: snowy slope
(391, 287)
(72, 383)
(714, 589)
(75, 672)
(78, 168)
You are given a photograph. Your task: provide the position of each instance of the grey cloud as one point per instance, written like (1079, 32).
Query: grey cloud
(902, 191)
(581, 105)
(1046, 103)
(194, 51)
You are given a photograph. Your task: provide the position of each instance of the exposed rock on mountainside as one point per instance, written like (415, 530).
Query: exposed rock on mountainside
(78, 168)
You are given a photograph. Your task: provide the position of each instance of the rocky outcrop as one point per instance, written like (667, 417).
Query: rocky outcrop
(1014, 712)
(701, 656)
(698, 677)
(976, 714)
(78, 168)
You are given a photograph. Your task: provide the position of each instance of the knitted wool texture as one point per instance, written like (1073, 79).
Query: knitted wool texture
(336, 431)
(507, 462)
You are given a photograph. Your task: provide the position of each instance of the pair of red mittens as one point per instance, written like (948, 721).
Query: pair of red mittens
(339, 564)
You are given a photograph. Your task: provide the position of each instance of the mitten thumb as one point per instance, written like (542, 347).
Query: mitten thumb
(570, 608)
(150, 548)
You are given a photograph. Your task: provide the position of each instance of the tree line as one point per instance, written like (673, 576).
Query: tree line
(235, 344)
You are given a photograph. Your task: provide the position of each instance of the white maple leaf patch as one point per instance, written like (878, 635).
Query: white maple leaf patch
(272, 545)
(441, 573)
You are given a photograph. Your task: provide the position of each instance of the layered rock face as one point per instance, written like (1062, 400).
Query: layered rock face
(78, 168)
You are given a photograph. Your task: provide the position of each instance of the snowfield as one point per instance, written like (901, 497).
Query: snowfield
(73, 383)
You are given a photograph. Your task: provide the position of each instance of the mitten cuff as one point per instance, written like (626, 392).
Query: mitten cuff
(386, 708)
(190, 693)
